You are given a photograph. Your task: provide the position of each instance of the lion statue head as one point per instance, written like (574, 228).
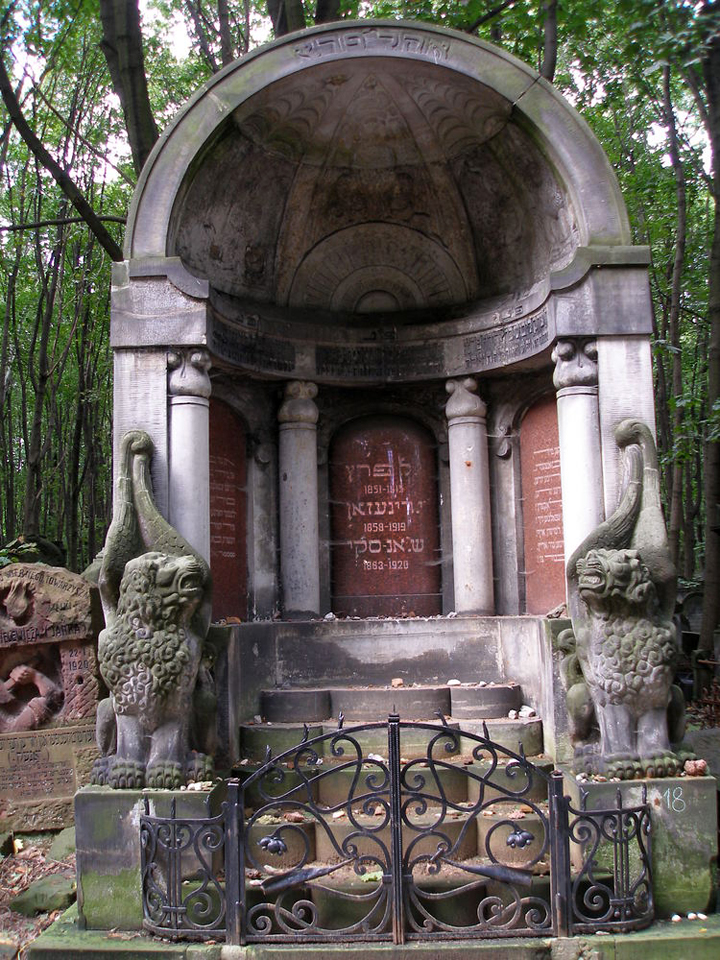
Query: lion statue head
(614, 580)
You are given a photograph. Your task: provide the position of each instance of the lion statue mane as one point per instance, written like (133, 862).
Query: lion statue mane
(624, 710)
(156, 593)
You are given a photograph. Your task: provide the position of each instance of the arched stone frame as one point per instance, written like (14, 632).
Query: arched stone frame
(611, 303)
(339, 409)
(248, 400)
(563, 136)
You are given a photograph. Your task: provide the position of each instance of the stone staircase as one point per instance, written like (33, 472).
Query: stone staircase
(475, 797)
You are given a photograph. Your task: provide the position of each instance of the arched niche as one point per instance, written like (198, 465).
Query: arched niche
(542, 507)
(228, 512)
(385, 536)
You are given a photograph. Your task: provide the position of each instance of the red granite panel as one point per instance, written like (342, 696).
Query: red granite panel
(542, 508)
(228, 512)
(386, 543)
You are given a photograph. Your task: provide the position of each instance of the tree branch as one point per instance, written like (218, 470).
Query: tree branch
(58, 221)
(547, 69)
(489, 15)
(63, 180)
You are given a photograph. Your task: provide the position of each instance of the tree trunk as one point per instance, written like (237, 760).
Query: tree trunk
(122, 46)
(549, 62)
(327, 11)
(676, 502)
(226, 45)
(286, 16)
(711, 593)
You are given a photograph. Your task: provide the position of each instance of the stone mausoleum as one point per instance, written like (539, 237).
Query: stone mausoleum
(380, 314)
(382, 352)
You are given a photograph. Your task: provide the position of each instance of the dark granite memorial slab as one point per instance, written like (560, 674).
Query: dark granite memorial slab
(228, 512)
(542, 503)
(385, 520)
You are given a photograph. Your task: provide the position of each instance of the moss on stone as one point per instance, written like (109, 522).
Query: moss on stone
(111, 901)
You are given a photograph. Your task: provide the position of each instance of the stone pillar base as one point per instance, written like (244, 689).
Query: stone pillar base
(107, 835)
(683, 840)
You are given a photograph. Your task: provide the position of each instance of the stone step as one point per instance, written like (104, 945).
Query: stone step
(501, 834)
(518, 734)
(331, 785)
(414, 702)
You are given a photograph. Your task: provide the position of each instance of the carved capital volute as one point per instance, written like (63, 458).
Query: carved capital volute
(188, 372)
(299, 405)
(464, 402)
(575, 364)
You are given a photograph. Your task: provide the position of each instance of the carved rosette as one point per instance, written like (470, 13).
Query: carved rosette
(188, 373)
(575, 364)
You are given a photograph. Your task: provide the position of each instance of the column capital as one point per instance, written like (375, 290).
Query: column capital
(575, 363)
(298, 405)
(188, 372)
(463, 401)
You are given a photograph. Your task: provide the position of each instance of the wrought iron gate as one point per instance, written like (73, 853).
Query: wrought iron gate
(332, 841)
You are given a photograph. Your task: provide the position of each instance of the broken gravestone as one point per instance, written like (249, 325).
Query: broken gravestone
(49, 685)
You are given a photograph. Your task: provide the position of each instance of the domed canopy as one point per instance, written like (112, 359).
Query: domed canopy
(388, 169)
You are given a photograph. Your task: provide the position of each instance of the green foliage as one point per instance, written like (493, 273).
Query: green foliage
(611, 64)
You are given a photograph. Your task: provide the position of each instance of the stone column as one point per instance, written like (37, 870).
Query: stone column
(625, 384)
(575, 379)
(299, 541)
(469, 498)
(189, 481)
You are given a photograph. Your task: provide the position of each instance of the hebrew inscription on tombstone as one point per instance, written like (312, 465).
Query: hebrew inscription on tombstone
(385, 520)
(49, 622)
(542, 499)
(228, 512)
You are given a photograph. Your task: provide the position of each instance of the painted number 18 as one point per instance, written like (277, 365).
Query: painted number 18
(674, 799)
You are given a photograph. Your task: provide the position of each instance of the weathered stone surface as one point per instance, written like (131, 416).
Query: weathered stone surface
(108, 848)
(481, 703)
(40, 604)
(40, 770)
(45, 895)
(621, 592)
(384, 519)
(63, 845)
(156, 593)
(48, 675)
(684, 836)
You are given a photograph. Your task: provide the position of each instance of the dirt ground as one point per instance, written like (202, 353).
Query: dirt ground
(17, 871)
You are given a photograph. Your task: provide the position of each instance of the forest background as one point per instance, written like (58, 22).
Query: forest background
(87, 85)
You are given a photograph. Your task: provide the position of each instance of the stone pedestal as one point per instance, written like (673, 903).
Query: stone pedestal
(299, 554)
(469, 498)
(189, 481)
(684, 836)
(107, 836)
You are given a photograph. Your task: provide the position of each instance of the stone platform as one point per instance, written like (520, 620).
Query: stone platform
(687, 940)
